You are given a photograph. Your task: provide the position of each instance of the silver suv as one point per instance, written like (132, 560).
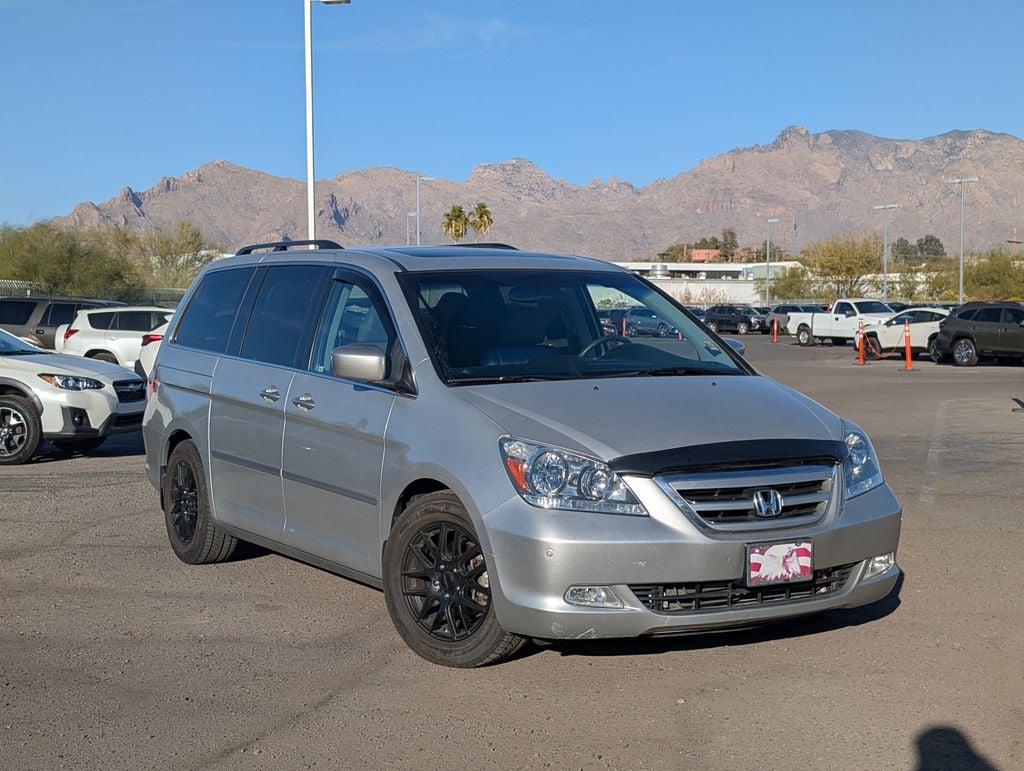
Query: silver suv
(456, 427)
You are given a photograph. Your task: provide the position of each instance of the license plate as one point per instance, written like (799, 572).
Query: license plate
(779, 563)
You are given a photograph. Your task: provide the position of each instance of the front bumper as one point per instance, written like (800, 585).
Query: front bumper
(88, 414)
(536, 555)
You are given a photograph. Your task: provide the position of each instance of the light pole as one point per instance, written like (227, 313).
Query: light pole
(310, 207)
(962, 181)
(768, 259)
(418, 180)
(885, 246)
(408, 216)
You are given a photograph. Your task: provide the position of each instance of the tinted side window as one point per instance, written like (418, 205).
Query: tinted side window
(283, 309)
(16, 312)
(135, 321)
(100, 320)
(990, 315)
(350, 317)
(1013, 315)
(59, 313)
(967, 315)
(211, 312)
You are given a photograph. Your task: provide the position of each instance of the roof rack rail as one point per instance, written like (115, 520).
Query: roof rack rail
(283, 246)
(491, 245)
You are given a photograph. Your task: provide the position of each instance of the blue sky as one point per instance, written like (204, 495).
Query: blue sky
(100, 94)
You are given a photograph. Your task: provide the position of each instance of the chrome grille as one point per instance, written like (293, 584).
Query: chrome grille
(725, 500)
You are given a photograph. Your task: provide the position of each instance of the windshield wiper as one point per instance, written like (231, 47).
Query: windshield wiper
(507, 379)
(669, 372)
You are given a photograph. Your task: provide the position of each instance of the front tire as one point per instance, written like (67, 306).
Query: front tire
(804, 336)
(662, 330)
(21, 430)
(437, 588)
(713, 326)
(743, 328)
(964, 353)
(872, 348)
(193, 534)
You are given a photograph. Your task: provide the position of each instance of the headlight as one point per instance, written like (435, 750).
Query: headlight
(72, 382)
(861, 466)
(552, 478)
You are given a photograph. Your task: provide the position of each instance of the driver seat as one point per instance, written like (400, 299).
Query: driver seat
(520, 334)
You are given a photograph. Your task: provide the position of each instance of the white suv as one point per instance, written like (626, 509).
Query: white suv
(75, 403)
(111, 334)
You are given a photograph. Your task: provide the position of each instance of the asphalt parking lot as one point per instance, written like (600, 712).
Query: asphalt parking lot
(113, 654)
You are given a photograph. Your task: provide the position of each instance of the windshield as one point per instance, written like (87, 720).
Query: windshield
(9, 344)
(873, 306)
(505, 326)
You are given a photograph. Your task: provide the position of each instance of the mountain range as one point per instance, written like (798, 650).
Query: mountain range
(817, 185)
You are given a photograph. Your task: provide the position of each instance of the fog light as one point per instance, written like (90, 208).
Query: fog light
(880, 564)
(593, 597)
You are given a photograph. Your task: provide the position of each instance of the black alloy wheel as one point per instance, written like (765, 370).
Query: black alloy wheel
(184, 502)
(444, 581)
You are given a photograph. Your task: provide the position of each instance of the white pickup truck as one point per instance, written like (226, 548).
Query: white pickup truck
(840, 324)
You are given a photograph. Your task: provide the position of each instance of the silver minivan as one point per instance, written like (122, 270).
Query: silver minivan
(455, 426)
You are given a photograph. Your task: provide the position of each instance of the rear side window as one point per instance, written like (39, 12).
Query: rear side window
(1013, 315)
(135, 321)
(100, 320)
(990, 315)
(210, 315)
(59, 313)
(284, 308)
(16, 312)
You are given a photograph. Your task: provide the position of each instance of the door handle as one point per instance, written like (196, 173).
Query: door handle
(270, 394)
(304, 402)
(40, 331)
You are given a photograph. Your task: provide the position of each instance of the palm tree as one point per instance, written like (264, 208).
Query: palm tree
(455, 223)
(481, 218)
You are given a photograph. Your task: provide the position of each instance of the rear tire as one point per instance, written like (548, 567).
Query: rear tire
(103, 356)
(804, 336)
(964, 353)
(437, 588)
(21, 430)
(934, 353)
(193, 534)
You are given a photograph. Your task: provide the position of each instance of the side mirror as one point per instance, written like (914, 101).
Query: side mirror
(359, 362)
(736, 345)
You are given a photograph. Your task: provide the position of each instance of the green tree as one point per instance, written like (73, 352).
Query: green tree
(907, 285)
(729, 243)
(930, 246)
(902, 249)
(843, 263)
(455, 223)
(993, 276)
(711, 242)
(481, 219)
(675, 253)
(795, 284)
(66, 261)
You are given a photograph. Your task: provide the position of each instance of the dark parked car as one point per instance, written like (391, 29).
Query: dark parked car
(698, 312)
(733, 318)
(35, 319)
(981, 329)
(781, 313)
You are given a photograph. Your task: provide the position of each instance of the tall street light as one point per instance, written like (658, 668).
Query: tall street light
(962, 181)
(884, 207)
(418, 180)
(408, 216)
(768, 259)
(310, 206)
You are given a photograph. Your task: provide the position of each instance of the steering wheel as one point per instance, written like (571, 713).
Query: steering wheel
(601, 341)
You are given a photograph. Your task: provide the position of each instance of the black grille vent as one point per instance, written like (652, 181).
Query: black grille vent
(130, 390)
(710, 596)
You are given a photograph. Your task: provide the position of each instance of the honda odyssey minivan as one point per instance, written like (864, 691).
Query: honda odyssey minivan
(455, 426)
